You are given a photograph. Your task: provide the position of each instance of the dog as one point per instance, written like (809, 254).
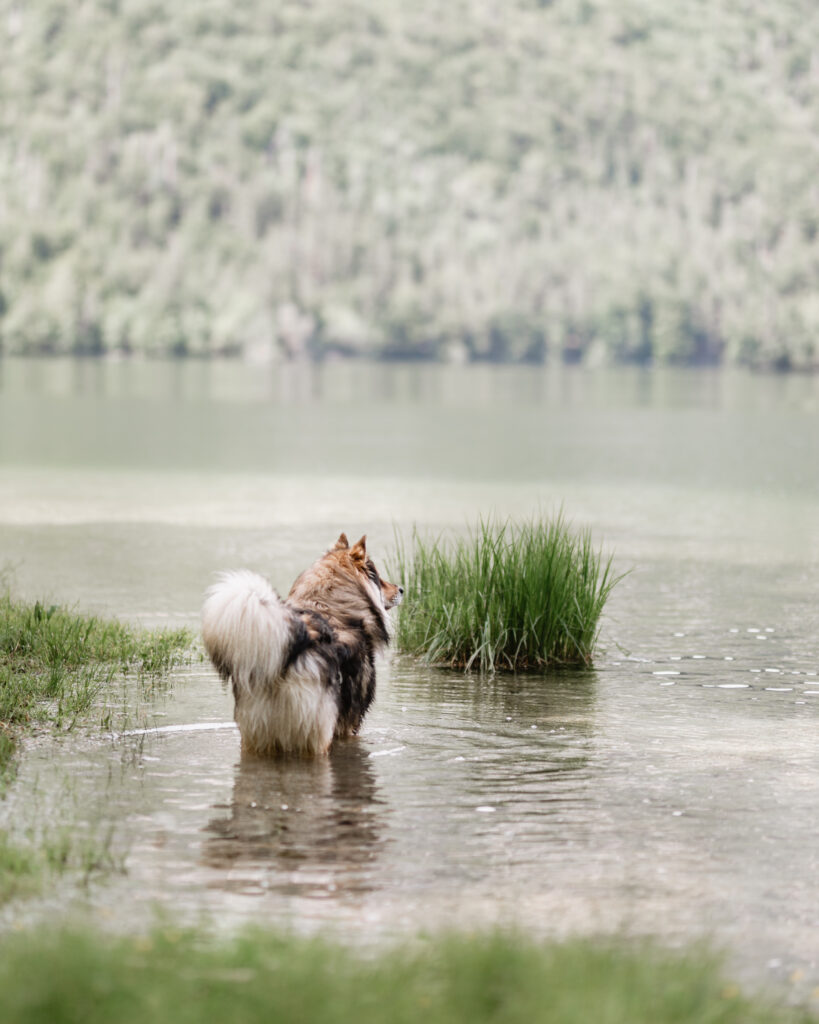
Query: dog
(302, 669)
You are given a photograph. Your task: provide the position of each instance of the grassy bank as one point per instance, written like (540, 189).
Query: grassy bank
(55, 664)
(51, 976)
(526, 596)
(179, 978)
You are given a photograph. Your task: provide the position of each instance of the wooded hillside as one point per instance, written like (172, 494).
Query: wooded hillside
(598, 179)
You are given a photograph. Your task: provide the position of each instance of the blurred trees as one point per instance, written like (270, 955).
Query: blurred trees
(595, 179)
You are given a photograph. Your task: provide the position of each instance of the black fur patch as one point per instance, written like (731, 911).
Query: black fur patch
(310, 629)
(357, 684)
(348, 653)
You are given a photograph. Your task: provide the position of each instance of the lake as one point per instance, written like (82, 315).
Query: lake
(672, 791)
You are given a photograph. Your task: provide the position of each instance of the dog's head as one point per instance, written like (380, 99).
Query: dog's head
(356, 559)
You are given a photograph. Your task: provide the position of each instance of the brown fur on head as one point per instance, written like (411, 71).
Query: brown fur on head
(352, 563)
(390, 592)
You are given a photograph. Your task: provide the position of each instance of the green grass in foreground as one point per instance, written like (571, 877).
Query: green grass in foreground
(48, 978)
(508, 596)
(54, 663)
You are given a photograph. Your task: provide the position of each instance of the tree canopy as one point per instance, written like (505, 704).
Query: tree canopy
(632, 180)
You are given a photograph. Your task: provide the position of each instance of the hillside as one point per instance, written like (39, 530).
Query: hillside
(601, 179)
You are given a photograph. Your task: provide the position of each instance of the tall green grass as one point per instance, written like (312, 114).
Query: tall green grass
(55, 663)
(57, 977)
(507, 596)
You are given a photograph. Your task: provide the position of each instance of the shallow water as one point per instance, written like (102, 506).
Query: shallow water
(672, 791)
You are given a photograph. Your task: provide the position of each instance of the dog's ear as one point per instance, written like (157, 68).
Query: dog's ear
(359, 551)
(342, 543)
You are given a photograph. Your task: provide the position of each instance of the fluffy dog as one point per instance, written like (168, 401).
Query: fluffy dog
(302, 669)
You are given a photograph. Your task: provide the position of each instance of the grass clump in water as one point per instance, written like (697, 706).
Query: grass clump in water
(171, 976)
(26, 867)
(508, 596)
(19, 870)
(55, 662)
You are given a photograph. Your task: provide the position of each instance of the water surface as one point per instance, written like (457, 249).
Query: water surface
(672, 791)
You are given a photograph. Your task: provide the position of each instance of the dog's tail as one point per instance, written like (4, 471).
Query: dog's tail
(247, 629)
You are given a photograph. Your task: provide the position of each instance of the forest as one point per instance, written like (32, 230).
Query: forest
(585, 180)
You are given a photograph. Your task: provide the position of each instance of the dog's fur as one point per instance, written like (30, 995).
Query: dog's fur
(302, 669)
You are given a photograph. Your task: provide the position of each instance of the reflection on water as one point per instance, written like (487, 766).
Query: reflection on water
(670, 792)
(496, 424)
(292, 824)
(344, 382)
